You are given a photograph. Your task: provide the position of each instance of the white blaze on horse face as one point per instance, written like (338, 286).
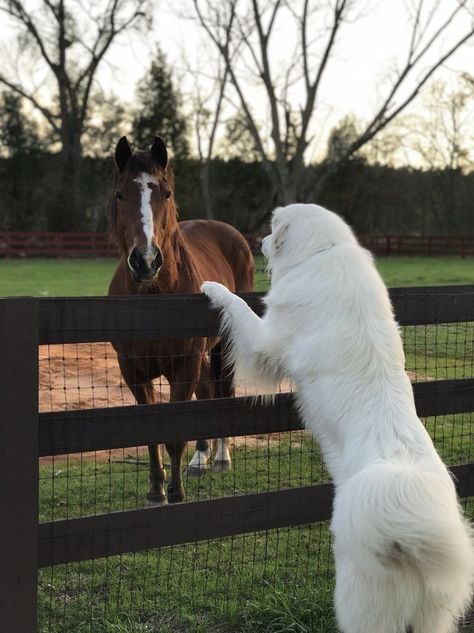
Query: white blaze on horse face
(143, 181)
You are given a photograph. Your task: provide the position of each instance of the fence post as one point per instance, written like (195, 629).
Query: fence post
(18, 464)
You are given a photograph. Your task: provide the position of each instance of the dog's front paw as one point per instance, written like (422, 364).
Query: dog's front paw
(218, 294)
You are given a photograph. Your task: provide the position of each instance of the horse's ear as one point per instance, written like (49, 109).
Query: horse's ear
(123, 152)
(159, 153)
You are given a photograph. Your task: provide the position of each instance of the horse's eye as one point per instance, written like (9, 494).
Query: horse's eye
(167, 194)
(119, 195)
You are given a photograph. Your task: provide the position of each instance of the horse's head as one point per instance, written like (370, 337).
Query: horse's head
(143, 213)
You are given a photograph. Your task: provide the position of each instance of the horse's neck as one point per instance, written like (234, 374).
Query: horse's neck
(177, 274)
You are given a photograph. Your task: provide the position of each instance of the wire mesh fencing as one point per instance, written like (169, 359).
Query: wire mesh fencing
(237, 582)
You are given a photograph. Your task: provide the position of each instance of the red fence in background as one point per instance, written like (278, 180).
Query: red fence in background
(53, 244)
(88, 244)
(462, 246)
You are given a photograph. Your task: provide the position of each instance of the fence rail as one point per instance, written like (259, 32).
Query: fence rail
(91, 244)
(28, 323)
(68, 432)
(141, 318)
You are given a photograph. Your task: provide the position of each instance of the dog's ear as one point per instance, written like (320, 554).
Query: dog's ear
(279, 238)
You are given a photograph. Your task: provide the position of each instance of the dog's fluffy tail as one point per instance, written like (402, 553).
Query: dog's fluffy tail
(407, 518)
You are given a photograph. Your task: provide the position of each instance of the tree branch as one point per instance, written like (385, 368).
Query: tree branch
(48, 115)
(16, 10)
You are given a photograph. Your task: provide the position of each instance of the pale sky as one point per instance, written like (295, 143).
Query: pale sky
(353, 83)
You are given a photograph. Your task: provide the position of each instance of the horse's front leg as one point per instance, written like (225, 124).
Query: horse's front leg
(224, 388)
(145, 394)
(214, 382)
(183, 383)
(205, 390)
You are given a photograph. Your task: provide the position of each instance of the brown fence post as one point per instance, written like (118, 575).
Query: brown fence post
(18, 465)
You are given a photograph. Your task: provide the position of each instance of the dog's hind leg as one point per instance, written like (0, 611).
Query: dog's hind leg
(435, 616)
(368, 604)
(437, 621)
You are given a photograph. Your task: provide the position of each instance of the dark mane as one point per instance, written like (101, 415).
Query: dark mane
(141, 161)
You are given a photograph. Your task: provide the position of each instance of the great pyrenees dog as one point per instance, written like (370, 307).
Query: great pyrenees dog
(404, 553)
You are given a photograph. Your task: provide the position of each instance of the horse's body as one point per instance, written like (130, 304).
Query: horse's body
(160, 255)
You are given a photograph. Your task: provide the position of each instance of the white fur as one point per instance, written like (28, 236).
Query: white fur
(145, 206)
(404, 553)
(222, 453)
(200, 460)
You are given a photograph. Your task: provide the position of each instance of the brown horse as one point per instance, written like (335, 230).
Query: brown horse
(160, 255)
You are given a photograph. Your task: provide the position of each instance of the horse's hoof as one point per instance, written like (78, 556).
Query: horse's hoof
(175, 496)
(194, 471)
(156, 504)
(221, 467)
(156, 500)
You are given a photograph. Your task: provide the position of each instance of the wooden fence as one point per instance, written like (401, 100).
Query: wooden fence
(54, 244)
(429, 245)
(25, 435)
(88, 244)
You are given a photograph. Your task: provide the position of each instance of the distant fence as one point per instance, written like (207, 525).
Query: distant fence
(90, 244)
(429, 245)
(55, 244)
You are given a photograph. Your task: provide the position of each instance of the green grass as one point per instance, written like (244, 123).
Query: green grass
(89, 277)
(251, 583)
(269, 582)
(426, 271)
(55, 277)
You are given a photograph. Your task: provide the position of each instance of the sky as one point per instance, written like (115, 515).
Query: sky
(374, 41)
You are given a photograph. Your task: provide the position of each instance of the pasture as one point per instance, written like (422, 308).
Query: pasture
(266, 582)
(91, 277)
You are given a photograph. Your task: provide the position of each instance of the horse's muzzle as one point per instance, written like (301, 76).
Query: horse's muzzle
(144, 264)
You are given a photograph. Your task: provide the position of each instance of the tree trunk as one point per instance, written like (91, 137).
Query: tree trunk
(204, 182)
(68, 212)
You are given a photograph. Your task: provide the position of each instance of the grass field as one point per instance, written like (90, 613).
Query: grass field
(275, 582)
(88, 277)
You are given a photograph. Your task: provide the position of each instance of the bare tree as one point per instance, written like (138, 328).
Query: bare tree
(70, 40)
(206, 114)
(442, 137)
(242, 32)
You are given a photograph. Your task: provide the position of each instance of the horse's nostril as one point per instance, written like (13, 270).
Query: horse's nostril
(158, 261)
(143, 265)
(134, 259)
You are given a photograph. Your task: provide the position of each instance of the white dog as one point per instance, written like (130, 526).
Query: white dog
(404, 554)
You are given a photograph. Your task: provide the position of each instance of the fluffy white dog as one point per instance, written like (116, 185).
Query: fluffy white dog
(404, 554)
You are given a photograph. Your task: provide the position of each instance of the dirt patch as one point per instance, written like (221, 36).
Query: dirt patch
(87, 376)
(84, 376)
